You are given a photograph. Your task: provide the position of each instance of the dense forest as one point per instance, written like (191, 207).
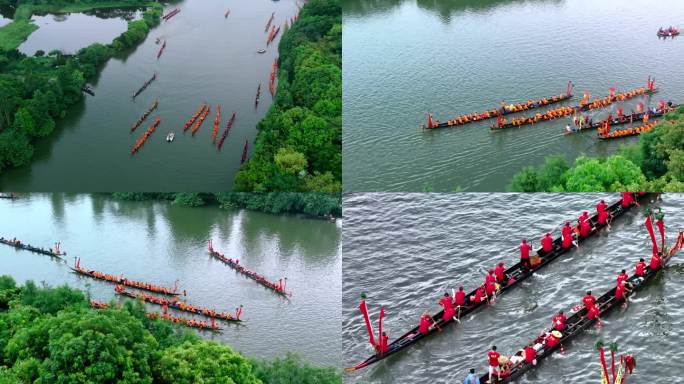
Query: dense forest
(654, 164)
(51, 335)
(37, 90)
(299, 142)
(313, 204)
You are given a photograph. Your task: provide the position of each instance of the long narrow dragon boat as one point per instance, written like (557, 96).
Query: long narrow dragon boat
(190, 323)
(158, 289)
(190, 122)
(626, 132)
(502, 111)
(258, 94)
(270, 20)
(579, 322)
(181, 306)
(229, 125)
(55, 252)
(141, 141)
(271, 83)
(161, 50)
(278, 287)
(272, 35)
(10, 196)
(217, 122)
(585, 105)
(225, 16)
(626, 119)
(171, 14)
(145, 115)
(144, 86)
(516, 273)
(199, 122)
(245, 151)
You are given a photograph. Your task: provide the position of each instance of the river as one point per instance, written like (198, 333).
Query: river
(404, 250)
(457, 56)
(158, 243)
(208, 58)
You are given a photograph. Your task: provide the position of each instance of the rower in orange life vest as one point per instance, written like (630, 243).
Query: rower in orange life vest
(547, 243)
(499, 272)
(559, 321)
(525, 254)
(568, 238)
(448, 305)
(640, 269)
(627, 199)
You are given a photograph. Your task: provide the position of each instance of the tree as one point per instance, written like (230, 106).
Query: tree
(615, 174)
(15, 148)
(291, 369)
(290, 161)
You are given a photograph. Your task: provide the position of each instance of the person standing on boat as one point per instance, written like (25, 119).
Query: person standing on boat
(640, 269)
(568, 238)
(493, 357)
(471, 378)
(525, 254)
(547, 243)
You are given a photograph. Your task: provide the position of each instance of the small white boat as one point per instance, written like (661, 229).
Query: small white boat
(261, 51)
(170, 137)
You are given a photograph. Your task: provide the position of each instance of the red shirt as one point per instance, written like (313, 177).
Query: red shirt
(525, 251)
(655, 262)
(489, 278)
(547, 243)
(592, 313)
(447, 303)
(384, 344)
(551, 341)
(559, 322)
(585, 228)
(621, 277)
(460, 297)
(530, 355)
(424, 326)
(567, 231)
(627, 199)
(490, 288)
(601, 207)
(493, 358)
(584, 217)
(640, 268)
(602, 217)
(478, 295)
(499, 272)
(589, 301)
(619, 291)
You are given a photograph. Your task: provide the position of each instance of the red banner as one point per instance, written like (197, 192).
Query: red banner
(661, 229)
(649, 226)
(382, 314)
(364, 311)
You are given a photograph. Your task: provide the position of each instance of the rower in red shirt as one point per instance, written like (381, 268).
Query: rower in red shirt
(622, 277)
(589, 300)
(479, 295)
(425, 323)
(499, 273)
(656, 261)
(547, 243)
(448, 306)
(601, 206)
(585, 228)
(493, 358)
(593, 313)
(490, 289)
(568, 238)
(490, 278)
(559, 321)
(384, 343)
(584, 216)
(603, 217)
(530, 355)
(640, 269)
(525, 254)
(553, 338)
(459, 297)
(627, 199)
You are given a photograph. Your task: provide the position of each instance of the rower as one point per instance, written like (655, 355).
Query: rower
(640, 269)
(559, 321)
(499, 272)
(547, 243)
(553, 338)
(593, 313)
(622, 288)
(584, 217)
(425, 323)
(490, 277)
(656, 261)
(627, 199)
(459, 297)
(585, 228)
(479, 295)
(493, 357)
(601, 206)
(568, 237)
(589, 300)
(530, 355)
(525, 253)
(490, 289)
(603, 217)
(622, 277)
(384, 345)
(448, 306)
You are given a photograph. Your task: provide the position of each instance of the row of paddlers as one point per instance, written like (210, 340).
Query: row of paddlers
(125, 281)
(171, 14)
(141, 141)
(191, 323)
(54, 252)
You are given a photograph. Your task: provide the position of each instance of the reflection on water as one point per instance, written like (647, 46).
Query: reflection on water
(70, 32)
(159, 242)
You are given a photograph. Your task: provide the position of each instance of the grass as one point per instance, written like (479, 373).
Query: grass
(16, 32)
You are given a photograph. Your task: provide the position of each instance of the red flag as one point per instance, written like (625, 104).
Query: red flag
(619, 111)
(364, 311)
(568, 89)
(661, 229)
(498, 120)
(429, 116)
(649, 226)
(382, 314)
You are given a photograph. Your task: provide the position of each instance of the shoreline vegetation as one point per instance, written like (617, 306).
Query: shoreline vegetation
(298, 146)
(44, 329)
(37, 90)
(655, 164)
(319, 205)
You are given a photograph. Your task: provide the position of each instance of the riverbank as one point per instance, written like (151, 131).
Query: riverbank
(40, 89)
(299, 143)
(118, 344)
(15, 33)
(317, 205)
(655, 163)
